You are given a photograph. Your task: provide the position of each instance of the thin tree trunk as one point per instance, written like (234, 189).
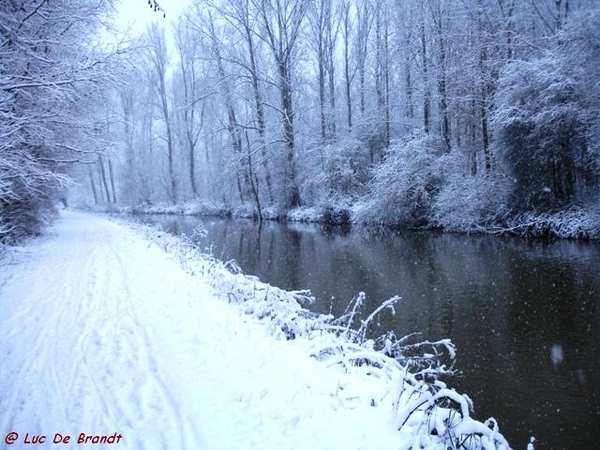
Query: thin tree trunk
(322, 113)
(232, 126)
(426, 91)
(330, 50)
(293, 193)
(112, 181)
(259, 108)
(93, 184)
(253, 180)
(386, 68)
(347, 80)
(103, 179)
(442, 90)
(364, 27)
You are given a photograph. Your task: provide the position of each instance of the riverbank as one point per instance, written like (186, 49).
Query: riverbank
(108, 329)
(574, 222)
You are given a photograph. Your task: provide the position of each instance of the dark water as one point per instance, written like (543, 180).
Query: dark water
(525, 315)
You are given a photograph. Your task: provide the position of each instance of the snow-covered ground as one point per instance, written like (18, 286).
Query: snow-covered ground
(103, 332)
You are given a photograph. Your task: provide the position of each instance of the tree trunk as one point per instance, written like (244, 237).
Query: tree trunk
(112, 181)
(426, 90)
(93, 184)
(103, 178)
(442, 91)
(347, 79)
(253, 180)
(259, 108)
(292, 191)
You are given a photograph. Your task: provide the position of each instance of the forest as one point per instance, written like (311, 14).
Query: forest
(467, 116)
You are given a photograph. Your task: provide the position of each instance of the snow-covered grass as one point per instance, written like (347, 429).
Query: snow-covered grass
(574, 222)
(399, 376)
(305, 214)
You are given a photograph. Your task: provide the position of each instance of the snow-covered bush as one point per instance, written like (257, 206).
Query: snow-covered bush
(304, 214)
(337, 173)
(580, 50)
(541, 133)
(466, 202)
(427, 413)
(26, 200)
(573, 222)
(405, 183)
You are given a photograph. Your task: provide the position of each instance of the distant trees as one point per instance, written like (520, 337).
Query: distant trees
(278, 104)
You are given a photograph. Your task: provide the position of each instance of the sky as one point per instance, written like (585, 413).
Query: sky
(137, 15)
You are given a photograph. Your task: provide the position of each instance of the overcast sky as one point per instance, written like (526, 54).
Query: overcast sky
(138, 15)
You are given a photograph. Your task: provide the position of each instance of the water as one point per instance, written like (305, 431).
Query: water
(523, 314)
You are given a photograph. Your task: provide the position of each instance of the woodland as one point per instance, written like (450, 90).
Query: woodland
(469, 116)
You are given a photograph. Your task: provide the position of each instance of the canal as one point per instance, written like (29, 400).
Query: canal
(523, 314)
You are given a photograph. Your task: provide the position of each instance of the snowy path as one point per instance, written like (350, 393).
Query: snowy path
(101, 332)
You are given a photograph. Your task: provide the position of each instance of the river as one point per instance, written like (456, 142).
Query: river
(523, 314)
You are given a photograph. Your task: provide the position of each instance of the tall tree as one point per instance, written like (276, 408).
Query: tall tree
(245, 20)
(347, 24)
(281, 22)
(191, 108)
(159, 60)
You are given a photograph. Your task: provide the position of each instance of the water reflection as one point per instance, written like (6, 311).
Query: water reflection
(523, 313)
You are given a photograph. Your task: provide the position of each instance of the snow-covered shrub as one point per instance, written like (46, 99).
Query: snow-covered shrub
(27, 202)
(573, 222)
(469, 203)
(337, 173)
(372, 134)
(405, 183)
(541, 133)
(193, 208)
(336, 215)
(304, 214)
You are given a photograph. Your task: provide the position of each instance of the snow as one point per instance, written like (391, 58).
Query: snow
(104, 332)
(556, 355)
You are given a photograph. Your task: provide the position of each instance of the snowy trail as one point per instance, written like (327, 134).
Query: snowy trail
(75, 355)
(101, 332)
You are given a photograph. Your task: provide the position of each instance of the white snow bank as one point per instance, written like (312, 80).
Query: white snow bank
(103, 333)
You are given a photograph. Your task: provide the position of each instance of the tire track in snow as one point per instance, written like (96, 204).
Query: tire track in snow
(54, 322)
(42, 316)
(127, 344)
(81, 354)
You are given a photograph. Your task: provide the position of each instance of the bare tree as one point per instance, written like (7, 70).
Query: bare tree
(347, 23)
(281, 21)
(159, 60)
(191, 109)
(364, 22)
(233, 125)
(245, 21)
